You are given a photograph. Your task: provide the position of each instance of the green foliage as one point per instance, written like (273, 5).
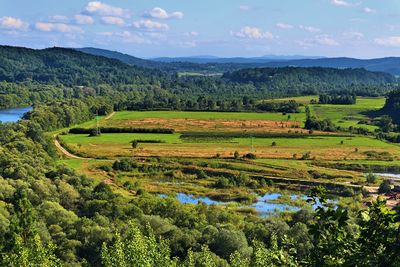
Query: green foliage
(250, 156)
(371, 178)
(125, 164)
(392, 106)
(136, 249)
(385, 187)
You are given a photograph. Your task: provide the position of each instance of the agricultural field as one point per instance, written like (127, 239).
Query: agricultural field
(207, 121)
(201, 151)
(343, 115)
(173, 145)
(208, 134)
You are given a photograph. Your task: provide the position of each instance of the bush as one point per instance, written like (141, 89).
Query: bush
(94, 132)
(371, 178)
(126, 164)
(241, 179)
(384, 187)
(306, 156)
(236, 155)
(222, 182)
(250, 156)
(134, 144)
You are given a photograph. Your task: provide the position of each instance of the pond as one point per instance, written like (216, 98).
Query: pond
(13, 114)
(264, 206)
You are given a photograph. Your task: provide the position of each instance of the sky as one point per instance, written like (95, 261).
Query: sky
(224, 28)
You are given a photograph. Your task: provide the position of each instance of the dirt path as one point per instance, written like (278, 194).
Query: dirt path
(109, 116)
(68, 154)
(64, 151)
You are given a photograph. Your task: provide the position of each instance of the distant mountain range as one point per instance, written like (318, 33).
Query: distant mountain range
(216, 64)
(237, 60)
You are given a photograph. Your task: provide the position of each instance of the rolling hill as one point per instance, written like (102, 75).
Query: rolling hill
(211, 64)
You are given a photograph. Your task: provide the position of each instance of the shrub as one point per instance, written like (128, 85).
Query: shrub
(371, 178)
(222, 182)
(94, 132)
(384, 187)
(126, 164)
(134, 144)
(306, 156)
(250, 156)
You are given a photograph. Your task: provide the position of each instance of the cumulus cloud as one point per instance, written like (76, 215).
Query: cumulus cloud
(369, 10)
(284, 26)
(159, 13)
(192, 34)
(133, 37)
(388, 41)
(112, 20)
(252, 33)
(83, 19)
(354, 35)
(340, 3)
(244, 8)
(57, 27)
(149, 25)
(309, 28)
(59, 18)
(99, 8)
(11, 23)
(326, 40)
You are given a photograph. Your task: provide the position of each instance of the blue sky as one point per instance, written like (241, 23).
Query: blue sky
(150, 28)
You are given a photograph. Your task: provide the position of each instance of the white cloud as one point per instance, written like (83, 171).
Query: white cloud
(57, 27)
(252, 33)
(59, 18)
(326, 40)
(132, 37)
(113, 20)
(369, 10)
(83, 19)
(99, 8)
(354, 35)
(340, 3)
(11, 23)
(192, 34)
(244, 8)
(149, 25)
(188, 44)
(309, 28)
(284, 26)
(388, 41)
(159, 13)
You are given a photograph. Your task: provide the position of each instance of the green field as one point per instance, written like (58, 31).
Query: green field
(321, 147)
(207, 141)
(350, 115)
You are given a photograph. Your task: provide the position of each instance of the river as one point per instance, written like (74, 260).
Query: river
(13, 114)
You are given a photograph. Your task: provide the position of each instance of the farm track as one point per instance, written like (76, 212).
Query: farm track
(109, 116)
(69, 154)
(66, 152)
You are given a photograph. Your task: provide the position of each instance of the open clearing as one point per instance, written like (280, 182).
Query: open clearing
(204, 142)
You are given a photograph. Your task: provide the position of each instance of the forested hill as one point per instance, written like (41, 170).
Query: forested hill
(316, 75)
(171, 67)
(388, 64)
(128, 59)
(67, 67)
